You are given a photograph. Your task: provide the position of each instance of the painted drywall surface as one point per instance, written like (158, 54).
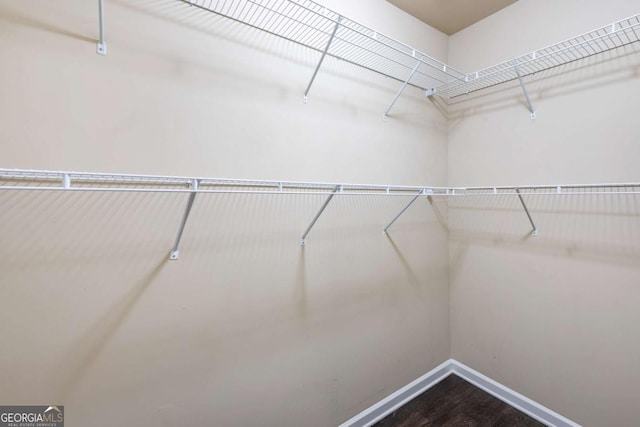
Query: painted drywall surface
(247, 327)
(555, 316)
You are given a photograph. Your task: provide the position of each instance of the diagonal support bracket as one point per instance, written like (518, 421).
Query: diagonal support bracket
(324, 53)
(175, 251)
(421, 193)
(101, 48)
(404, 85)
(524, 89)
(303, 239)
(534, 232)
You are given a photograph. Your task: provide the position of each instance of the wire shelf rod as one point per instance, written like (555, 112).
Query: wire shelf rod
(368, 49)
(280, 17)
(309, 193)
(469, 88)
(363, 32)
(309, 24)
(551, 186)
(548, 193)
(593, 42)
(345, 59)
(17, 179)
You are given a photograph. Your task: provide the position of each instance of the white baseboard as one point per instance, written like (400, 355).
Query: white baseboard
(395, 400)
(522, 403)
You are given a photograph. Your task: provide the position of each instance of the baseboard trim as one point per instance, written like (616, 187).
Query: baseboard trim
(522, 403)
(395, 400)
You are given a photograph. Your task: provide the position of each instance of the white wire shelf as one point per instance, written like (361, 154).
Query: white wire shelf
(613, 36)
(547, 190)
(311, 25)
(43, 180)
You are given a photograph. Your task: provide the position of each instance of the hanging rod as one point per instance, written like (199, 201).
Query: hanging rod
(612, 36)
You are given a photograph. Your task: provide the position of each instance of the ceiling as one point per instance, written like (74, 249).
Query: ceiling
(451, 16)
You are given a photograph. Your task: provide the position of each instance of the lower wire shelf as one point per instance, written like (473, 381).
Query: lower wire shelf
(45, 180)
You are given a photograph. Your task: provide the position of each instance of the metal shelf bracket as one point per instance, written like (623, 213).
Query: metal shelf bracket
(175, 251)
(534, 232)
(421, 193)
(524, 89)
(303, 239)
(101, 48)
(66, 181)
(406, 82)
(324, 53)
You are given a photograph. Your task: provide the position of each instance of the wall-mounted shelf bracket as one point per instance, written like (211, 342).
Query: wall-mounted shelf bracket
(422, 192)
(175, 251)
(66, 181)
(303, 239)
(524, 89)
(324, 53)
(406, 82)
(101, 48)
(534, 232)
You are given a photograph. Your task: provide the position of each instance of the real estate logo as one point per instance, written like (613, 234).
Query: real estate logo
(32, 416)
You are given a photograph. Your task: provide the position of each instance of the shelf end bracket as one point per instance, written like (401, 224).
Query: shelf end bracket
(303, 239)
(534, 231)
(524, 89)
(175, 251)
(324, 53)
(101, 48)
(406, 82)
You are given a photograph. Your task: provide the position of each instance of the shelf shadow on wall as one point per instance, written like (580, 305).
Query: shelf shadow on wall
(601, 228)
(300, 289)
(68, 231)
(441, 216)
(412, 277)
(26, 21)
(86, 350)
(80, 263)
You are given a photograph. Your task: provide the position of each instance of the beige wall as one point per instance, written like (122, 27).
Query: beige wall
(247, 327)
(555, 316)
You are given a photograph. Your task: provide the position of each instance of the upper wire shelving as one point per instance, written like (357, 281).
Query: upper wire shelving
(316, 27)
(618, 34)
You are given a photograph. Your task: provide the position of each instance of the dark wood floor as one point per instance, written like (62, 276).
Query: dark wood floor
(455, 402)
